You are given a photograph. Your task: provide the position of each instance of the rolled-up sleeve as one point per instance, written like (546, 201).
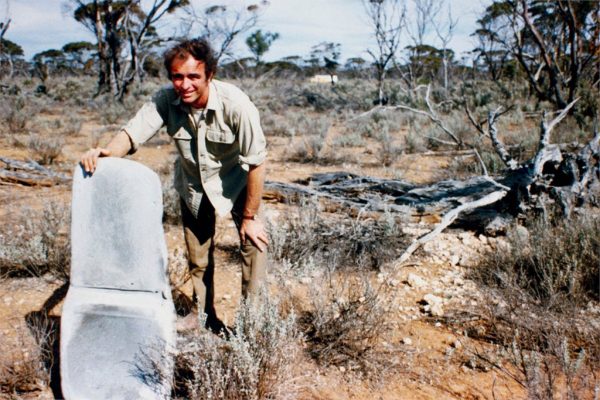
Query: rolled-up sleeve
(253, 146)
(146, 122)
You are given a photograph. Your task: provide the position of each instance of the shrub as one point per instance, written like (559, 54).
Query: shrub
(313, 133)
(38, 244)
(45, 149)
(539, 291)
(388, 151)
(304, 238)
(348, 325)
(259, 361)
(556, 267)
(26, 367)
(15, 113)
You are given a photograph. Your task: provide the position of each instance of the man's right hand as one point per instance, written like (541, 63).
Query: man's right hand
(89, 159)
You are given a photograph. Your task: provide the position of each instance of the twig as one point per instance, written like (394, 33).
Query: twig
(477, 125)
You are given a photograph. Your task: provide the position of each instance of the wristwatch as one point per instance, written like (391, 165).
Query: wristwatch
(252, 217)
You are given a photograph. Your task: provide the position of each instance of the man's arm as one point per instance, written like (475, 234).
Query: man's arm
(254, 229)
(119, 146)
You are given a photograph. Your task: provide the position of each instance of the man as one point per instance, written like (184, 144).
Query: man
(221, 165)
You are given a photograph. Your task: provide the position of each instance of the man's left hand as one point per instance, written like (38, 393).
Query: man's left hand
(255, 231)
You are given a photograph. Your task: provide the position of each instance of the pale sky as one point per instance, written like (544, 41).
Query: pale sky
(39, 25)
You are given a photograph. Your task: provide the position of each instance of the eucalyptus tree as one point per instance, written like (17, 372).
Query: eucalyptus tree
(78, 54)
(221, 25)
(555, 44)
(125, 31)
(259, 43)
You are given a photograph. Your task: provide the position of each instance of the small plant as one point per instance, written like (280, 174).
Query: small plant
(26, 366)
(14, 112)
(348, 325)
(45, 149)
(538, 288)
(313, 134)
(305, 237)
(72, 126)
(37, 245)
(388, 151)
(556, 267)
(257, 362)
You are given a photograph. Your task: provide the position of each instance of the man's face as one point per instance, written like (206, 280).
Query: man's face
(190, 81)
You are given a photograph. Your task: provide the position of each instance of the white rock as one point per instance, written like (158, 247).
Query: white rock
(434, 305)
(437, 310)
(415, 281)
(431, 299)
(407, 341)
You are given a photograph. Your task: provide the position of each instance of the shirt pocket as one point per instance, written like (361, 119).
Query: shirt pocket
(185, 144)
(220, 136)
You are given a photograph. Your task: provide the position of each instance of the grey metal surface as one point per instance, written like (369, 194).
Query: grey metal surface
(118, 311)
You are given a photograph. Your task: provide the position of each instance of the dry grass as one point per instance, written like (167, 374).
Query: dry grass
(45, 149)
(26, 367)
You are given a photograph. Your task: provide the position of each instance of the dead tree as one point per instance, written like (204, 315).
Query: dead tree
(553, 175)
(444, 32)
(222, 25)
(387, 18)
(569, 179)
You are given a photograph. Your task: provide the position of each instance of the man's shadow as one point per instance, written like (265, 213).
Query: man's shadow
(46, 331)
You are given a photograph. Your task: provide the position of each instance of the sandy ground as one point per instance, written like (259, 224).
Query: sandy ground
(436, 362)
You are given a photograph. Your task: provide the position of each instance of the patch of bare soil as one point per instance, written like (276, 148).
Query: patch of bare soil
(432, 357)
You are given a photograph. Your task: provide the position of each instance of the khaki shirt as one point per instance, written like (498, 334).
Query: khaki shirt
(215, 151)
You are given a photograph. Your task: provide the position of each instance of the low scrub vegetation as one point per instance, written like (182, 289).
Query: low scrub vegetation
(26, 368)
(307, 237)
(259, 361)
(37, 245)
(348, 326)
(541, 287)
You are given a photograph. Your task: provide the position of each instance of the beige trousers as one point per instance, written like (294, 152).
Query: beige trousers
(199, 238)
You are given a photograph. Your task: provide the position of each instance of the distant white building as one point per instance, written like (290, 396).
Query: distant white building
(323, 79)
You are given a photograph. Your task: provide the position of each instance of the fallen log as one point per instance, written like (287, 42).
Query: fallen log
(568, 176)
(29, 173)
(380, 195)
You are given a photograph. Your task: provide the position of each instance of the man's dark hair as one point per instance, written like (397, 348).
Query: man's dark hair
(197, 48)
